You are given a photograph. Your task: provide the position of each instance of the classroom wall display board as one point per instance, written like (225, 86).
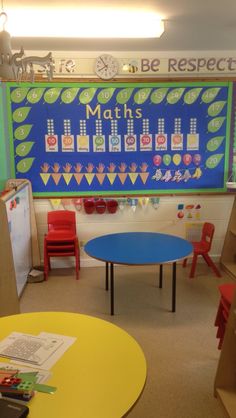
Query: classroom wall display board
(120, 138)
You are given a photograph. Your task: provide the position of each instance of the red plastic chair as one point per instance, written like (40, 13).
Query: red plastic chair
(227, 293)
(61, 239)
(203, 248)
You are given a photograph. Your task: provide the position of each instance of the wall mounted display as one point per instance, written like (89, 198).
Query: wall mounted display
(120, 138)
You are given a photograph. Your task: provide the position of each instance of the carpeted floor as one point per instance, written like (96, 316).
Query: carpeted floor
(180, 348)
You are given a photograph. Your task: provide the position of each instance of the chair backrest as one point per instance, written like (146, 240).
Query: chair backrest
(207, 234)
(62, 220)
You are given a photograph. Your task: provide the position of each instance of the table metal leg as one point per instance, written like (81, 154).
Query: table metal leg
(112, 287)
(107, 277)
(173, 286)
(160, 276)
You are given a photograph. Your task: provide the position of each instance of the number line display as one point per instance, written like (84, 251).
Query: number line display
(116, 139)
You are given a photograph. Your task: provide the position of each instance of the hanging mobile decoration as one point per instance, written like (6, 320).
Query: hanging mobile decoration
(17, 66)
(78, 203)
(122, 203)
(155, 202)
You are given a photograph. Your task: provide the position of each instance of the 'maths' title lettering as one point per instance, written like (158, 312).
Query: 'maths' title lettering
(117, 112)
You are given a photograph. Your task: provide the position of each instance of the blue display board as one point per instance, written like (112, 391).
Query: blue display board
(120, 138)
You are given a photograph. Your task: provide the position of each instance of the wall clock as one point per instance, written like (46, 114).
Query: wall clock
(106, 66)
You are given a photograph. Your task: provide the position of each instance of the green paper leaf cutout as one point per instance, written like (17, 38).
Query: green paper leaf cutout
(215, 124)
(19, 94)
(124, 95)
(51, 95)
(69, 95)
(22, 132)
(158, 95)
(142, 95)
(20, 114)
(166, 159)
(174, 95)
(191, 96)
(213, 160)
(39, 387)
(215, 108)
(214, 143)
(210, 94)
(87, 95)
(24, 165)
(35, 95)
(24, 148)
(105, 95)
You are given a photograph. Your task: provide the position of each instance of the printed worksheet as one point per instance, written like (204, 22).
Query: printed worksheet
(29, 348)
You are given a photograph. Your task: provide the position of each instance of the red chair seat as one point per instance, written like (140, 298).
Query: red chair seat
(227, 293)
(59, 249)
(61, 254)
(60, 235)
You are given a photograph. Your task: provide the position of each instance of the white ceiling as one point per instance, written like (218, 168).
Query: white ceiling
(190, 25)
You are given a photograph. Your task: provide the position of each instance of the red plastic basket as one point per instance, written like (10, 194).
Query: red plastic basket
(112, 206)
(100, 206)
(89, 206)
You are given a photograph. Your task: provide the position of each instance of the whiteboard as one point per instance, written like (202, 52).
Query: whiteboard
(18, 216)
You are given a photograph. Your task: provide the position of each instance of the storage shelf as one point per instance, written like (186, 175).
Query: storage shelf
(229, 267)
(225, 380)
(228, 256)
(228, 399)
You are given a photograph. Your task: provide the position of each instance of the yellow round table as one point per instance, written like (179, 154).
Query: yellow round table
(101, 375)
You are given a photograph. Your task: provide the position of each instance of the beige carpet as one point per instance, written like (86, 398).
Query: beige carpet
(180, 348)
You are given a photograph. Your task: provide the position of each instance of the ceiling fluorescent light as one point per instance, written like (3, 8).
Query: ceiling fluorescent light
(84, 23)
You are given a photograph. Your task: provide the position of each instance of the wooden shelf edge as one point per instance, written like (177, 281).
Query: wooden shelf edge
(229, 268)
(228, 400)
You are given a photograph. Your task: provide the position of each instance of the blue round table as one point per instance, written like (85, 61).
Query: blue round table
(139, 248)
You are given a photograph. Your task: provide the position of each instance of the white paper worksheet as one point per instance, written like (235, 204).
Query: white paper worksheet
(28, 348)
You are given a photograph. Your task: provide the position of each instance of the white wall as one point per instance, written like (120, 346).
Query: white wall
(215, 209)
